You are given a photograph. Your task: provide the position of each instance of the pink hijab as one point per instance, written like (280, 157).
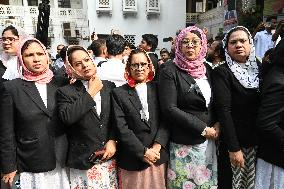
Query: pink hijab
(195, 68)
(42, 78)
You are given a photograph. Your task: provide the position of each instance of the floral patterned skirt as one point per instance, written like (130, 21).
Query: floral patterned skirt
(192, 166)
(100, 176)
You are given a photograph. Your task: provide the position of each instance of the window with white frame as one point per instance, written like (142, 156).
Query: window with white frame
(153, 6)
(64, 3)
(103, 5)
(129, 6)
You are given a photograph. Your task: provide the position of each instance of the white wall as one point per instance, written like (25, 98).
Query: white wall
(172, 17)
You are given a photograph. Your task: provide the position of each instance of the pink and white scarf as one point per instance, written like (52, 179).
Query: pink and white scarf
(43, 77)
(195, 68)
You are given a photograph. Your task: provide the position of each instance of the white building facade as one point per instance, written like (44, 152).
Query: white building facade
(72, 21)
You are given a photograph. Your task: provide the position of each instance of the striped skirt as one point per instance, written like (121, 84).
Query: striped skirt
(244, 178)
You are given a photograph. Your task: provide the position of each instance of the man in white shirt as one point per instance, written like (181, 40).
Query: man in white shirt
(113, 70)
(263, 39)
(58, 62)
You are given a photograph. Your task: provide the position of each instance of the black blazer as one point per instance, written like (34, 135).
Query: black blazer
(236, 108)
(183, 105)
(270, 120)
(134, 134)
(86, 130)
(27, 127)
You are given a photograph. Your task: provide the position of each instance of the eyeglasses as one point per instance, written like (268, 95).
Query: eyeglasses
(234, 42)
(9, 39)
(136, 66)
(194, 42)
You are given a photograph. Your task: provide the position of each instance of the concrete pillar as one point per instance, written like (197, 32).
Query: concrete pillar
(25, 3)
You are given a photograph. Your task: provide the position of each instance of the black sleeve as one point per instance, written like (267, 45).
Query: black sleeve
(112, 128)
(163, 134)
(168, 102)
(71, 110)
(126, 135)
(7, 132)
(222, 103)
(271, 112)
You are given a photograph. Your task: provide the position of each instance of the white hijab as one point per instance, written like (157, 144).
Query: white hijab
(247, 73)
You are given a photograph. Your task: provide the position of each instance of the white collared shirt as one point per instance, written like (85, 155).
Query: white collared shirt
(42, 89)
(97, 98)
(141, 90)
(99, 59)
(205, 88)
(262, 42)
(112, 70)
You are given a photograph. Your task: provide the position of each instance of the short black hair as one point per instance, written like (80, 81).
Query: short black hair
(12, 29)
(96, 46)
(115, 44)
(60, 46)
(151, 40)
(269, 18)
(62, 53)
(220, 49)
(164, 50)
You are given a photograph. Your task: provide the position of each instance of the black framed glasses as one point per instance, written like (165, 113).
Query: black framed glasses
(136, 66)
(9, 39)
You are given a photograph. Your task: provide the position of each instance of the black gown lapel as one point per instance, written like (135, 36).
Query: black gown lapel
(51, 90)
(33, 93)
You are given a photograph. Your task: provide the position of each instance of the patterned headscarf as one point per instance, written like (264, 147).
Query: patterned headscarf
(195, 68)
(26, 74)
(247, 73)
(127, 75)
(70, 70)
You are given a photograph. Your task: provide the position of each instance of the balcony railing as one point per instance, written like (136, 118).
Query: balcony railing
(192, 17)
(6, 10)
(32, 11)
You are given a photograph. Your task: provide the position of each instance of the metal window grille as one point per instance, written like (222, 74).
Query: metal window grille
(130, 39)
(153, 6)
(104, 5)
(129, 5)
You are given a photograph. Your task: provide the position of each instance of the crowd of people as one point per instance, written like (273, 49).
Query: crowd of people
(206, 115)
